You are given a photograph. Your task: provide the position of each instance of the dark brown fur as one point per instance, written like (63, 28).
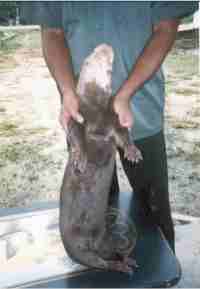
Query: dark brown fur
(87, 180)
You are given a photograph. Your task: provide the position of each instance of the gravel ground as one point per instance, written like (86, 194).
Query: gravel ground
(32, 145)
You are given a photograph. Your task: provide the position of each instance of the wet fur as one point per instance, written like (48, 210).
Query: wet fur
(87, 180)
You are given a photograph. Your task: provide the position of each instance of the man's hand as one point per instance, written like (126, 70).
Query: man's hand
(122, 108)
(70, 109)
(163, 37)
(57, 56)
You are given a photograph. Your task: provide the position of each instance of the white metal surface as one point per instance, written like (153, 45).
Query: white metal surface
(31, 249)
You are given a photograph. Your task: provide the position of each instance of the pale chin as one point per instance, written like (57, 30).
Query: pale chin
(97, 68)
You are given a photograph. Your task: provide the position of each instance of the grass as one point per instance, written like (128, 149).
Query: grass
(9, 153)
(194, 156)
(2, 109)
(184, 124)
(195, 112)
(7, 61)
(30, 40)
(7, 49)
(8, 129)
(15, 40)
(34, 131)
(19, 151)
(9, 42)
(186, 91)
(184, 65)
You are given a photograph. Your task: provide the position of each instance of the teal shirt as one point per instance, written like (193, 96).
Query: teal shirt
(127, 27)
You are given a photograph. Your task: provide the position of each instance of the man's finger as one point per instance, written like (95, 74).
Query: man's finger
(64, 119)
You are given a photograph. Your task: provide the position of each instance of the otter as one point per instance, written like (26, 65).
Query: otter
(88, 174)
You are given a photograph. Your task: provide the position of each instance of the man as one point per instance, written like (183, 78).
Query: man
(141, 34)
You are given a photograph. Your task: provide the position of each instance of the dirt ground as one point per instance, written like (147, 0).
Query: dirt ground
(32, 145)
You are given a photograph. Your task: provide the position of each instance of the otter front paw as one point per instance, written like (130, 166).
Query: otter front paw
(80, 164)
(132, 153)
(79, 160)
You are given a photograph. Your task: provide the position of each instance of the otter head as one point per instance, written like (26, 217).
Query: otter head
(96, 75)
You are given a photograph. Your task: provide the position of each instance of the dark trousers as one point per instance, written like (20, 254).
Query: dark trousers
(149, 180)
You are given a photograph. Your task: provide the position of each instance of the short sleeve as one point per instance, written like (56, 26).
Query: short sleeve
(45, 13)
(164, 10)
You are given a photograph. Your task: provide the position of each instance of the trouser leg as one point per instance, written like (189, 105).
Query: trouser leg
(113, 200)
(149, 180)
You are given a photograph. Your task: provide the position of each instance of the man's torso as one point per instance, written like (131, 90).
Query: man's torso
(127, 27)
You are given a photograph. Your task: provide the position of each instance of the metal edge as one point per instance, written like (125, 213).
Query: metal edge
(19, 212)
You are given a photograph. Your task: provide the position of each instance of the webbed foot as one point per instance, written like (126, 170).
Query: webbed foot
(120, 266)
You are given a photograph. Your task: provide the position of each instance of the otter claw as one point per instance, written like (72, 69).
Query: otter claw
(80, 164)
(132, 153)
(79, 161)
